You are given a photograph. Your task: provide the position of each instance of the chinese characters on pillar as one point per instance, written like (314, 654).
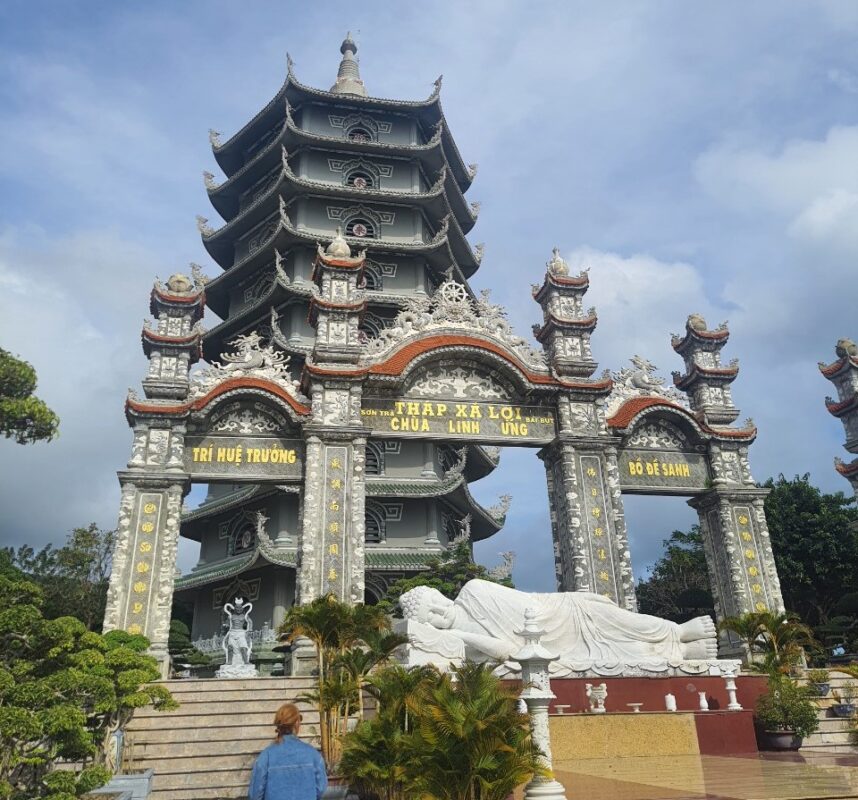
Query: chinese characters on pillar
(756, 584)
(599, 528)
(334, 522)
(142, 558)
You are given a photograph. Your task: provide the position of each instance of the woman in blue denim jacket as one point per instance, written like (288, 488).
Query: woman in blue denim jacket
(288, 769)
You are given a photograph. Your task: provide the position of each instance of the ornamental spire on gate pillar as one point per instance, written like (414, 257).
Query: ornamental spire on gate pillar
(348, 75)
(174, 345)
(566, 327)
(843, 373)
(706, 381)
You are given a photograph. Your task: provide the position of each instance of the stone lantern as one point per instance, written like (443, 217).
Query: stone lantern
(537, 695)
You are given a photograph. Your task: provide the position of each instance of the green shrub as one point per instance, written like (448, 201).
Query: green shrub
(786, 707)
(64, 691)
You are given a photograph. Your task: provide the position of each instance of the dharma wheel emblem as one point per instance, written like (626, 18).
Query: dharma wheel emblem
(359, 183)
(359, 229)
(453, 292)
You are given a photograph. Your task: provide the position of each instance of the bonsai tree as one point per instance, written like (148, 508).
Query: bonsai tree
(350, 641)
(64, 691)
(785, 708)
(181, 648)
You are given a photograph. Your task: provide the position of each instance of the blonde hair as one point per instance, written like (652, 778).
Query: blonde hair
(286, 720)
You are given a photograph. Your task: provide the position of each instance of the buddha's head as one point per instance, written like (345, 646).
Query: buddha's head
(427, 605)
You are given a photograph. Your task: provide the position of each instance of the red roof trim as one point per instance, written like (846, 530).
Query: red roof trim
(226, 386)
(624, 415)
(397, 363)
(847, 469)
(835, 367)
(318, 301)
(839, 408)
(199, 297)
(176, 340)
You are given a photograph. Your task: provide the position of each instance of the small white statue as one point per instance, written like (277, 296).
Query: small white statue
(236, 645)
(597, 696)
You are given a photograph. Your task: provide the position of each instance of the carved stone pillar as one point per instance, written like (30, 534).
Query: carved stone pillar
(140, 594)
(738, 553)
(332, 534)
(587, 519)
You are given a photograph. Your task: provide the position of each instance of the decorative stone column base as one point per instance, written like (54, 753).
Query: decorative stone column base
(303, 658)
(544, 789)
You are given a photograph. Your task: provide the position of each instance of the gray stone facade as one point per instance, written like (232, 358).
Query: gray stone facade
(356, 387)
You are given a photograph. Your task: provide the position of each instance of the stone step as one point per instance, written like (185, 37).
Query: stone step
(184, 747)
(274, 694)
(830, 749)
(215, 732)
(195, 764)
(201, 793)
(228, 777)
(217, 707)
(244, 683)
(227, 716)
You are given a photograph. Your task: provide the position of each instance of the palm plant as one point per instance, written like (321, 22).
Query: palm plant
(374, 756)
(779, 638)
(349, 641)
(469, 741)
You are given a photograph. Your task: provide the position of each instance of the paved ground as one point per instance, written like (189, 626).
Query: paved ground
(767, 776)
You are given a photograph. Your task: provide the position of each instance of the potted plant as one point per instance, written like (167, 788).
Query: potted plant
(784, 715)
(817, 681)
(844, 697)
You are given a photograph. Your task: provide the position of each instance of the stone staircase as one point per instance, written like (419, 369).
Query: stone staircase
(835, 735)
(205, 749)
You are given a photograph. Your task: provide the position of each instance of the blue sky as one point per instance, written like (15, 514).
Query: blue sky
(697, 157)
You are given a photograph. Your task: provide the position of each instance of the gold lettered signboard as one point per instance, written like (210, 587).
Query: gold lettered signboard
(501, 423)
(261, 458)
(666, 472)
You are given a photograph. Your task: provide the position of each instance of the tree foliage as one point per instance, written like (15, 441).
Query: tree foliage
(678, 585)
(64, 692)
(23, 417)
(74, 577)
(815, 544)
(447, 572)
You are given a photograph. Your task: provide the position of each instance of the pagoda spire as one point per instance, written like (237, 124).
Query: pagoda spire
(348, 75)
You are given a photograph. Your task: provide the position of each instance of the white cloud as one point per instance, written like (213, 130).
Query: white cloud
(785, 181)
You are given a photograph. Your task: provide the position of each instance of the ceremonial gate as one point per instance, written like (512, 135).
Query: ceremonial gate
(448, 369)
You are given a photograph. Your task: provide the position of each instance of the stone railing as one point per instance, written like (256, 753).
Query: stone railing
(214, 644)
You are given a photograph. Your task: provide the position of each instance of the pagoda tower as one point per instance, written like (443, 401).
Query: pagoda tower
(339, 209)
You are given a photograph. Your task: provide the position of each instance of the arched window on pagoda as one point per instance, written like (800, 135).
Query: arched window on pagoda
(371, 326)
(372, 279)
(361, 228)
(360, 179)
(375, 523)
(359, 133)
(243, 539)
(374, 459)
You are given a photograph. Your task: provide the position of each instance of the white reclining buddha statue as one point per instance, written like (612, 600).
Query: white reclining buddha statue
(589, 633)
